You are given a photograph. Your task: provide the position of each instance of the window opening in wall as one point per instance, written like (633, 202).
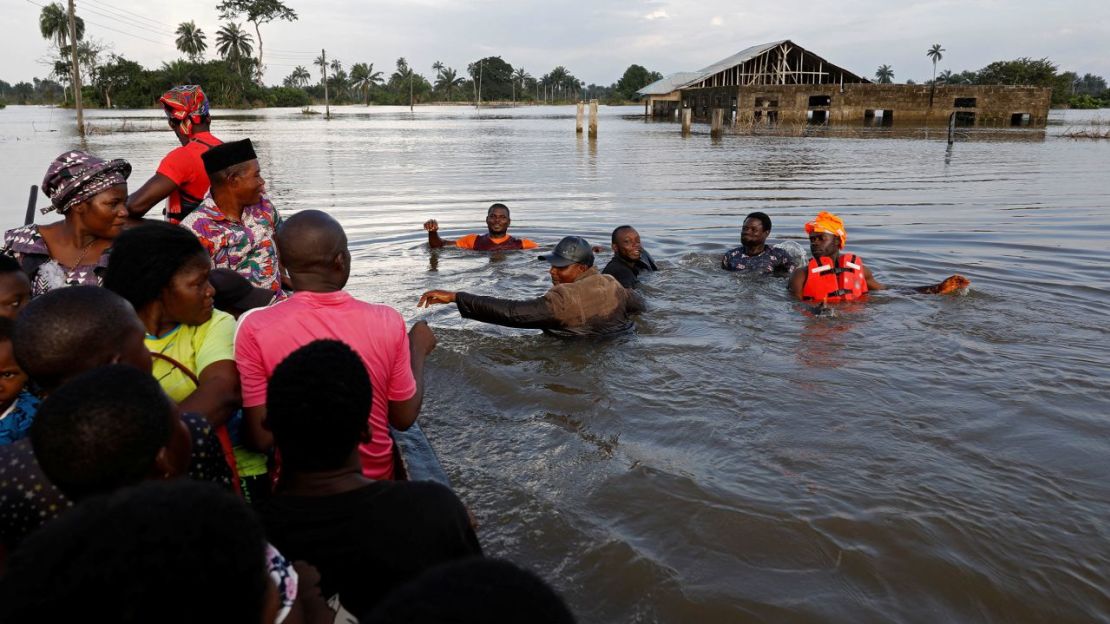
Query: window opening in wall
(820, 100)
(766, 102)
(887, 117)
(817, 117)
(1019, 119)
(965, 103)
(965, 119)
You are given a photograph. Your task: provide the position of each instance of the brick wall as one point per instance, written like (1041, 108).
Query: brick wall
(981, 105)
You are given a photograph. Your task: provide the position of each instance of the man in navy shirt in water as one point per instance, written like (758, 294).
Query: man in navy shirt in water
(754, 255)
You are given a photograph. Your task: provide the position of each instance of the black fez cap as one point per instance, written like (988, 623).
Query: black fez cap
(227, 155)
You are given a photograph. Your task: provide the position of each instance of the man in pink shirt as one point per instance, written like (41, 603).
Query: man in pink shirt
(313, 248)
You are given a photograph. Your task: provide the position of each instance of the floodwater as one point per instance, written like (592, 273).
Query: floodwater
(914, 459)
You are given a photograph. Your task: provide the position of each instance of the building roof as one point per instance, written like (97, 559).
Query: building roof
(681, 80)
(743, 56)
(668, 84)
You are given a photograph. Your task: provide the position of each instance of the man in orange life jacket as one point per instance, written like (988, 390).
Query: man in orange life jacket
(180, 176)
(498, 239)
(833, 276)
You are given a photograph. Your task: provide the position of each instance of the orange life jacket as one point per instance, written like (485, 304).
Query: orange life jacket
(831, 284)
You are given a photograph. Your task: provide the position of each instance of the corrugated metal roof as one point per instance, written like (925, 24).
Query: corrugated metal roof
(743, 56)
(669, 84)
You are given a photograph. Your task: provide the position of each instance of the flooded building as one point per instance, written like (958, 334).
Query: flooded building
(783, 83)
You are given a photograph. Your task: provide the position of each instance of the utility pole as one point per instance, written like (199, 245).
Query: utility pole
(412, 73)
(324, 58)
(481, 65)
(76, 71)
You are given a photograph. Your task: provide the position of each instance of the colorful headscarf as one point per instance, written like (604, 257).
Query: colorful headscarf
(828, 223)
(76, 176)
(187, 104)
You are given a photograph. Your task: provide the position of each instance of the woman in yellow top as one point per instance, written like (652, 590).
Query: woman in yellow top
(162, 269)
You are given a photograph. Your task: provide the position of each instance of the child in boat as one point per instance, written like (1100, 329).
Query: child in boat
(15, 287)
(17, 405)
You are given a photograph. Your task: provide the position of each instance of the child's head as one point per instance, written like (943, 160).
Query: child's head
(15, 288)
(12, 377)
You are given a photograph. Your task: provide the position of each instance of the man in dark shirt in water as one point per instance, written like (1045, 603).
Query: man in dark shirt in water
(498, 239)
(754, 255)
(582, 302)
(629, 257)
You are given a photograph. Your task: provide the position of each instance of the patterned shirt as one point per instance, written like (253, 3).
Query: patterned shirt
(770, 260)
(15, 422)
(28, 247)
(245, 246)
(29, 500)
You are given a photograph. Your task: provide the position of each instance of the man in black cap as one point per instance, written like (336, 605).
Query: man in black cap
(236, 222)
(629, 257)
(582, 302)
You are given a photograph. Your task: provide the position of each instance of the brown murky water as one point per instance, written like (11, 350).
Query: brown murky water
(917, 459)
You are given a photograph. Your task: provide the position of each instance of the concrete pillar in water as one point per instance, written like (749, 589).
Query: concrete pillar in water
(718, 122)
(593, 119)
(687, 118)
(578, 119)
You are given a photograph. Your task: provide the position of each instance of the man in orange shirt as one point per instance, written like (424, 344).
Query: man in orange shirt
(180, 175)
(498, 239)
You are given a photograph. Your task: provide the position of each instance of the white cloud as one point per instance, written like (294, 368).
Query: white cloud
(657, 14)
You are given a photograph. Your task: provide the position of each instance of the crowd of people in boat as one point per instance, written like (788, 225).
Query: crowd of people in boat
(195, 415)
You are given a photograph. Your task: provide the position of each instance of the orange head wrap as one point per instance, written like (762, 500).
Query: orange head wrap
(828, 223)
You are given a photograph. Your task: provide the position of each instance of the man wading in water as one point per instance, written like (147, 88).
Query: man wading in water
(629, 257)
(754, 255)
(582, 302)
(498, 239)
(833, 276)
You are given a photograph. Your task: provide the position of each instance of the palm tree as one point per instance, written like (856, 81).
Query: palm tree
(448, 80)
(54, 25)
(234, 43)
(935, 54)
(520, 77)
(437, 67)
(299, 77)
(364, 78)
(885, 75)
(191, 41)
(945, 76)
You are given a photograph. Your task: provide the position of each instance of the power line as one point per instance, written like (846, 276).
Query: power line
(123, 32)
(127, 21)
(112, 7)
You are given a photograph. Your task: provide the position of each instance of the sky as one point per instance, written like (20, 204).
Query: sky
(598, 39)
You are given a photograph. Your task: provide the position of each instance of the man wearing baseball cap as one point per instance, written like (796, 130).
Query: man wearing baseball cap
(583, 302)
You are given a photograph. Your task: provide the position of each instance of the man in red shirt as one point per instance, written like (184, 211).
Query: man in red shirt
(180, 176)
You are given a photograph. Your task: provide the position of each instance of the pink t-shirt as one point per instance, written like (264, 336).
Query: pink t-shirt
(376, 332)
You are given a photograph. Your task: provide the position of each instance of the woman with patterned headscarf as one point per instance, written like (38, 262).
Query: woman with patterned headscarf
(90, 194)
(180, 176)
